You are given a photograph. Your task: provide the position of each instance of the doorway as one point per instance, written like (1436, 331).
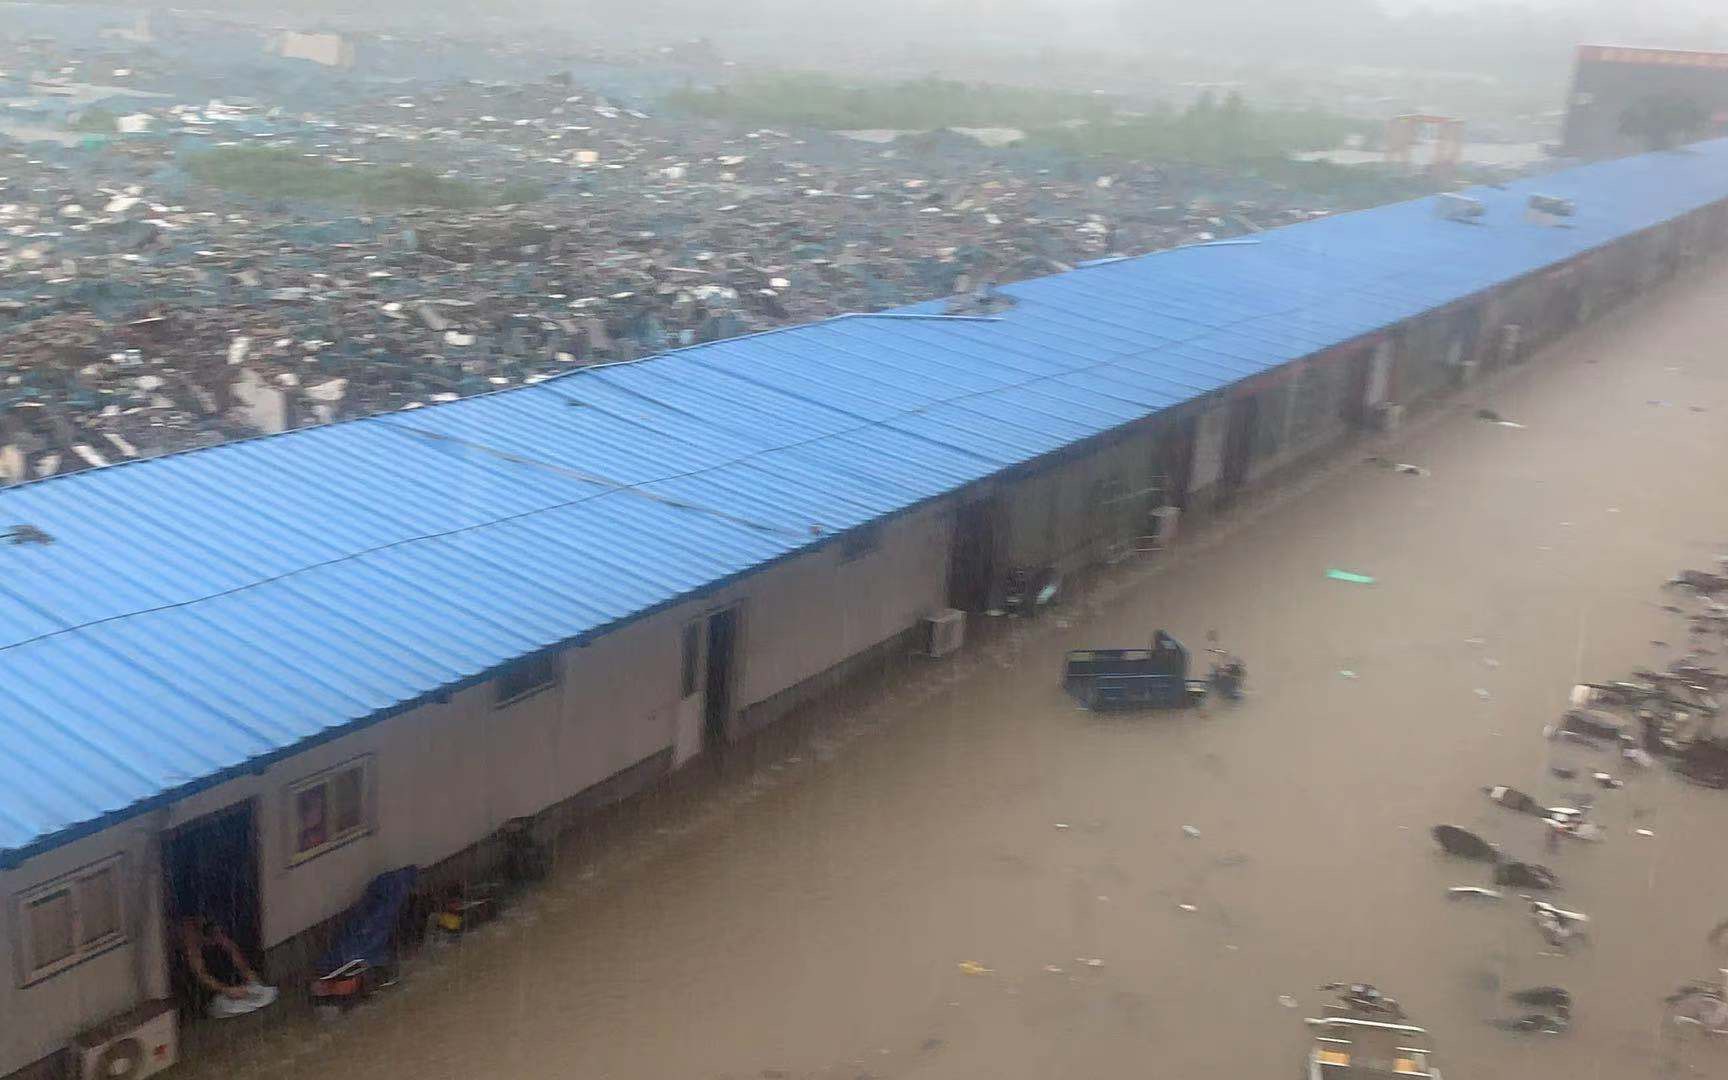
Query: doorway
(1370, 383)
(210, 868)
(1468, 328)
(972, 558)
(720, 679)
(1173, 463)
(1239, 444)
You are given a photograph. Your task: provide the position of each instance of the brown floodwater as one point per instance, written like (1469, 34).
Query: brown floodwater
(810, 915)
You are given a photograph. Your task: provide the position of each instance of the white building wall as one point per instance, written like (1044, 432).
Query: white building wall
(447, 775)
(812, 612)
(39, 1019)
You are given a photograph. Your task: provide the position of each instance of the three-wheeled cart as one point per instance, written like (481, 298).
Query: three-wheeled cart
(1155, 678)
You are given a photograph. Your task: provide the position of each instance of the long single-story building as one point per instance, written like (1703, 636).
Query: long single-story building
(244, 680)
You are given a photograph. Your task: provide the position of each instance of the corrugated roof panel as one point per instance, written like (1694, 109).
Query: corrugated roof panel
(201, 611)
(616, 438)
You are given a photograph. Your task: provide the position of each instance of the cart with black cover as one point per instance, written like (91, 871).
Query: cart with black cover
(1155, 678)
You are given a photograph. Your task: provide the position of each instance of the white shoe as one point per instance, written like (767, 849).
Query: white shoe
(257, 997)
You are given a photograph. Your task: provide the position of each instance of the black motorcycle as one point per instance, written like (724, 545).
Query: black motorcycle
(1228, 677)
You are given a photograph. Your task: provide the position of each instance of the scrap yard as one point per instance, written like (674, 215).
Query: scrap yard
(192, 274)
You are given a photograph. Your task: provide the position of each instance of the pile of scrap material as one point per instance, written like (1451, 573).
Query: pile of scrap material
(1608, 730)
(1667, 714)
(224, 268)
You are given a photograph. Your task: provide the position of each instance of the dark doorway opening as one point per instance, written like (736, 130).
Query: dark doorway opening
(972, 559)
(1568, 307)
(1173, 463)
(210, 868)
(1358, 406)
(722, 659)
(1469, 327)
(1239, 445)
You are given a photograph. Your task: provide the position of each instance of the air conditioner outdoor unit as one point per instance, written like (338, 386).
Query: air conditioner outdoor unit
(1387, 416)
(1454, 207)
(944, 632)
(141, 1042)
(1553, 205)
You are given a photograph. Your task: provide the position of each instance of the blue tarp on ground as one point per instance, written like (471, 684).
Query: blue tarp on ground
(194, 614)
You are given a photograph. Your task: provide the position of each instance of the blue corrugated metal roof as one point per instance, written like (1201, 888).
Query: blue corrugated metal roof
(199, 612)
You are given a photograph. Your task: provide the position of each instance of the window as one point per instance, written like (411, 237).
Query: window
(528, 677)
(98, 907)
(70, 920)
(344, 801)
(860, 542)
(50, 919)
(328, 810)
(691, 667)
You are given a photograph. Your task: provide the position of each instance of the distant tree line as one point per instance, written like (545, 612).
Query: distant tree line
(801, 100)
(281, 173)
(1209, 131)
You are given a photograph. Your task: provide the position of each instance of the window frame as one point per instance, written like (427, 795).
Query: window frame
(83, 903)
(555, 675)
(325, 781)
(70, 885)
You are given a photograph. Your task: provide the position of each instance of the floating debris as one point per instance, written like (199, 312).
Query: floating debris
(1523, 875)
(1465, 844)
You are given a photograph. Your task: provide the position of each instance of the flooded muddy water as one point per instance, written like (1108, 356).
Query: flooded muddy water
(962, 875)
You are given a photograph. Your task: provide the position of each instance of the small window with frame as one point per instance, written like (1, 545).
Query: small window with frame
(328, 810)
(69, 920)
(525, 678)
(50, 918)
